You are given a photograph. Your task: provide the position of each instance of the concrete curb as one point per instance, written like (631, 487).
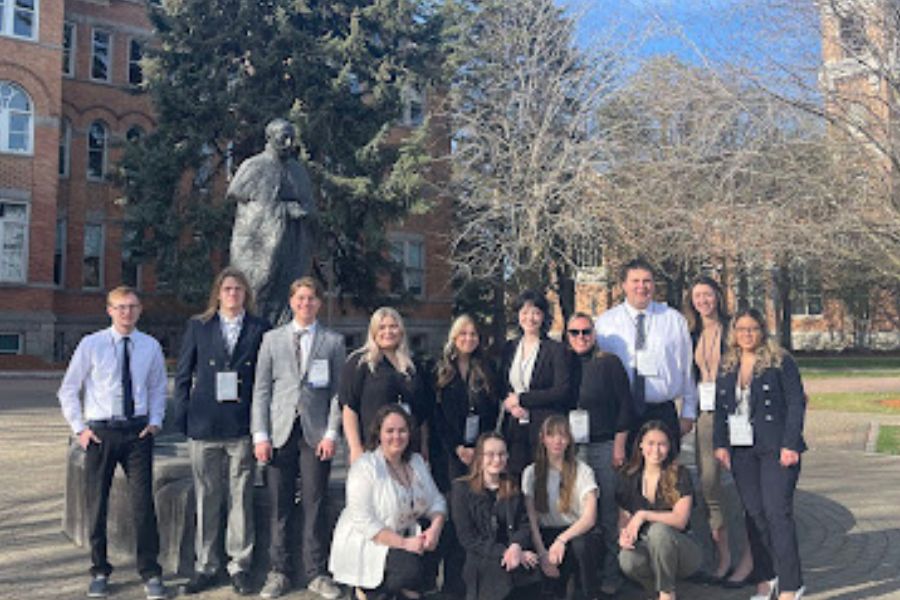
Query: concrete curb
(32, 374)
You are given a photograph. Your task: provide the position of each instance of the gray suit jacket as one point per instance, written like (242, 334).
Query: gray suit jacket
(280, 390)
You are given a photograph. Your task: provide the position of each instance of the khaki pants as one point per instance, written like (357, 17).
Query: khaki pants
(661, 556)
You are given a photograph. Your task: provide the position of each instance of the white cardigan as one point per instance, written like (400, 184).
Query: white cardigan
(372, 505)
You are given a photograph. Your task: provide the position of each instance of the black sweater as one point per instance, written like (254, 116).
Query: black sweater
(604, 392)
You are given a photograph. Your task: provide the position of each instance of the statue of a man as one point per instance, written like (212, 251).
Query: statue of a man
(273, 225)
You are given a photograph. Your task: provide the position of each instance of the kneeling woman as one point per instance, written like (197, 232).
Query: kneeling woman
(488, 512)
(561, 497)
(379, 542)
(655, 497)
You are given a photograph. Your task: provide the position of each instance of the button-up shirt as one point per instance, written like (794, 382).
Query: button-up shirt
(231, 330)
(305, 343)
(96, 368)
(667, 337)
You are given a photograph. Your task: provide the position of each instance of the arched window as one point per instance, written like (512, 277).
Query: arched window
(98, 139)
(134, 134)
(16, 119)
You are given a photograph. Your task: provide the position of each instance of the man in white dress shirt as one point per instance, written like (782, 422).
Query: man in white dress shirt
(653, 342)
(123, 376)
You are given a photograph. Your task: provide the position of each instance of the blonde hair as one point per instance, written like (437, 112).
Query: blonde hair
(122, 290)
(371, 354)
(446, 369)
(212, 304)
(307, 282)
(769, 354)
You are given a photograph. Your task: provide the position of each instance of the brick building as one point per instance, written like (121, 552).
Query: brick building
(69, 102)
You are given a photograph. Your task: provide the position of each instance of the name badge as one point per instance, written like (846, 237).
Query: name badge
(707, 395)
(740, 431)
(648, 363)
(317, 375)
(227, 386)
(472, 427)
(580, 424)
(526, 419)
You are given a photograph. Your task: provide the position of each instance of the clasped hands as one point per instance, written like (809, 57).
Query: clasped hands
(423, 542)
(628, 536)
(512, 406)
(514, 557)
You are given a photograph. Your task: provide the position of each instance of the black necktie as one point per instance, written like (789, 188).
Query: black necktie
(127, 391)
(639, 386)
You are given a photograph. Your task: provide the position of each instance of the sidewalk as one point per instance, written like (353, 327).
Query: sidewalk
(849, 526)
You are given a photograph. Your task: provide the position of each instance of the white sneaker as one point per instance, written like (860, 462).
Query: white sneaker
(773, 591)
(325, 587)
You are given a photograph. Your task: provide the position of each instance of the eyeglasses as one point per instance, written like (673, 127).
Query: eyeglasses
(584, 332)
(124, 307)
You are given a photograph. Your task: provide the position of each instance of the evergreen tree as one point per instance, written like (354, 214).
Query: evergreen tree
(338, 69)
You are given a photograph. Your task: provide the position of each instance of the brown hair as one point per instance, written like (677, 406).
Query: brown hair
(307, 282)
(668, 480)
(695, 322)
(375, 429)
(475, 478)
(212, 305)
(122, 290)
(555, 424)
(446, 368)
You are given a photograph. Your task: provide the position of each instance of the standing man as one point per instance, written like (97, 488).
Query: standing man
(123, 376)
(213, 393)
(654, 345)
(296, 412)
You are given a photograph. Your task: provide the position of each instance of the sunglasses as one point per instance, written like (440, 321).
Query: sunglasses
(577, 332)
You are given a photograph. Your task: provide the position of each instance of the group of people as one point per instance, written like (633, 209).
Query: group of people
(553, 474)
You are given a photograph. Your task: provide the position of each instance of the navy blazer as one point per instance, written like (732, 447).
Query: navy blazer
(777, 407)
(203, 354)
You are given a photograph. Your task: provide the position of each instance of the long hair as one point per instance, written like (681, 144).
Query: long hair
(212, 304)
(552, 425)
(695, 321)
(475, 478)
(375, 428)
(446, 368)
(370, 354)
(768, 354)
(668, 479)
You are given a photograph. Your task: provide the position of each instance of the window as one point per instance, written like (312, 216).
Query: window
(135, 54)
(15, 118)
(10, 343)
(134, 134)
(92, 266)
(59, 253)
(853, 34)
(13, 240)
(806, 292)
(131, 258)
(410, 254)
(97, 142)
(65, 141)
(18, 18)
(68, 64)
(100, 55)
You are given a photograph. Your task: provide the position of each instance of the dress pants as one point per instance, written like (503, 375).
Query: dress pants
(582, 559)
(598, 455)
(767, 491)
(402, 571)
(282, 478)
(122, 446)
(710, 470)
(223, 477)
(661, 556)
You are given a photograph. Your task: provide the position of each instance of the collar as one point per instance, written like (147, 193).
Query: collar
(310, 329)
(633, 312)
(117, 337)
(238, 320)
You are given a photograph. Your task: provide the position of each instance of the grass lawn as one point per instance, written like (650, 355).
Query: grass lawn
(870, 402)
(820, 367)
(888, 441)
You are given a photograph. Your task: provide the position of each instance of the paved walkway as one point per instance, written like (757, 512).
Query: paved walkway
(847, 510)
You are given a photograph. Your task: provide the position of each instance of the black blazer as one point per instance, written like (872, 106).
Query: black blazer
(485, 529)
(550, 391)
(777, 407)
(203, 354)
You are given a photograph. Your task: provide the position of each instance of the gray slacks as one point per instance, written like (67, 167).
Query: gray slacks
(223, 477)
(660, 557)
(599, 457)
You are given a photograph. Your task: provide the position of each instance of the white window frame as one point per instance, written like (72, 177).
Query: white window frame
(84, 256)
(69, 60)
(109, 54)
(104, 156)
(406, 240)
(131, 61)
(6, 117)
(62, 236)
(65, 148)
(4, 220)
(19, 344)
(8, 10)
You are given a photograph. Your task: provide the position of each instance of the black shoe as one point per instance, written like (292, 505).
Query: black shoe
(731, 584)
(240, 581)
(199, 582)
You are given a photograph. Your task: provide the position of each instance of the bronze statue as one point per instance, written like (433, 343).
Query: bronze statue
(273, 225)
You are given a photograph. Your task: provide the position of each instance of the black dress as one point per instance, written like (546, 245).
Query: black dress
(486, 527)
